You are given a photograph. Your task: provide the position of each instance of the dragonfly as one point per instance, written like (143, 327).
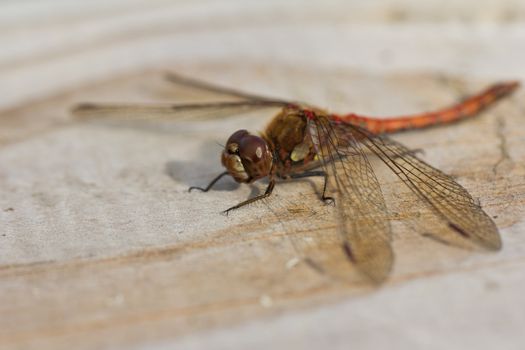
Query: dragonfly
(306, 141)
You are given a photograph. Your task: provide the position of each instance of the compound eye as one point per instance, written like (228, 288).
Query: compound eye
(237, 136)
(232, 145)
(252, 148)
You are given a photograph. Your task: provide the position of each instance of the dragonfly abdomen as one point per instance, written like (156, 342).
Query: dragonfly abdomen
(467, 108)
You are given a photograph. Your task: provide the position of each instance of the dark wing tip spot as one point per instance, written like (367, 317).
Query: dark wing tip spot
(488, 243)
(458, 230)
(348, 252)
(82, 109)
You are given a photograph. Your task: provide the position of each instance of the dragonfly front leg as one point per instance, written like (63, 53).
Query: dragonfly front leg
(266, 193)
(324, 197)
(210, 185)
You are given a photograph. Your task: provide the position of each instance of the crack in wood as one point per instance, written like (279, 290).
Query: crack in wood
(503, 147)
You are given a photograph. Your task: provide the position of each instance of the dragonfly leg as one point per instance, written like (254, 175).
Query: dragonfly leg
(266, 193)
(324, 197)
(210, 185)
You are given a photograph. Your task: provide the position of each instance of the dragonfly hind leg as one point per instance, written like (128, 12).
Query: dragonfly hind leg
(326, 199)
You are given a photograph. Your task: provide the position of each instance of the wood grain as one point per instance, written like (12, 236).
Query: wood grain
(101, 245)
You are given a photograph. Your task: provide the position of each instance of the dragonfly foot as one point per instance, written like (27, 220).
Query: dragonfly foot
(210, 185)
(329, 201)
(197, 188)
(227, 211)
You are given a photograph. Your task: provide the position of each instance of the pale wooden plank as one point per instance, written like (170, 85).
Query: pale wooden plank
(102, 246)
(113, 245)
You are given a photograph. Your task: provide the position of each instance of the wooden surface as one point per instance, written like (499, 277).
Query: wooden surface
(102, 246)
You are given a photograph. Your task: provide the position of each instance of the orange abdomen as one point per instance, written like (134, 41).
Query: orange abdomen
(467, 108)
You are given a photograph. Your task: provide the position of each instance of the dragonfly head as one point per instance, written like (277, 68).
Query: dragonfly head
(246, 157)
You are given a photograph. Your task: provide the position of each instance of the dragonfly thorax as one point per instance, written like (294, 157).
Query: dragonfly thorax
(247, 157)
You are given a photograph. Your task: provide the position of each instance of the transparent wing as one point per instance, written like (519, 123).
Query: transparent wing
(447, 199)
(362, 213)
(205, 86)
(211, 110)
